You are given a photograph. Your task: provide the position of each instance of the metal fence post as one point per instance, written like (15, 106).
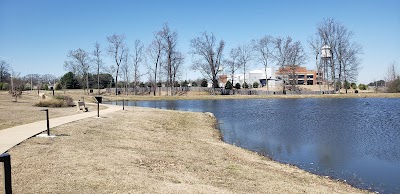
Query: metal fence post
(5, 158)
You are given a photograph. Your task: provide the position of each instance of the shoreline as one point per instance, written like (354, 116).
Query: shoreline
(155, 154)
(239, 97)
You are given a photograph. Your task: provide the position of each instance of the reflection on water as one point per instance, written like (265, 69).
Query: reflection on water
(357, 140)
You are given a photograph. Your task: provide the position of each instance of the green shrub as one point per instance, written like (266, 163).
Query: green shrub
(27, 87)
(58, 86)
(228, 85)
(255, 85)
(194, 84)
(353, 85)
(45, 87)
(363, 87)
(5, 86)
(185, 84)
(245, 85)
(237, 86)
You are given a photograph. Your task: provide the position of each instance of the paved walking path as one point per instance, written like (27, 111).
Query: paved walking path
(11, 137)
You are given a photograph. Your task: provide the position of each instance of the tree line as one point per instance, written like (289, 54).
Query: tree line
(162, 59)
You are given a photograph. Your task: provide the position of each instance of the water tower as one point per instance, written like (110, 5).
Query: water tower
(326, 59)
(326, 52)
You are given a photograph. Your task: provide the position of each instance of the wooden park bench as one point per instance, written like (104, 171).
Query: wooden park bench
(81, 106)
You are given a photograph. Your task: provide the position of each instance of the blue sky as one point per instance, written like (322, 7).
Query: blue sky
(37, 35)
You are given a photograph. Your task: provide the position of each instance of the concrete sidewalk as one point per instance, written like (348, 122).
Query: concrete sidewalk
(11, 137)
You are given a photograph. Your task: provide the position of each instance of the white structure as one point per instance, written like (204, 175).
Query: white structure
(326, 52)
(257, 75)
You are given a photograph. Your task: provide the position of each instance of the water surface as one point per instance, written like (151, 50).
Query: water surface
(355, 140)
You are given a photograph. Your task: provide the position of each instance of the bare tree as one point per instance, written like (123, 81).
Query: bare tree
(289, 56)
(349, 64)
(282, 56)
(393, 78)
(173, 58)
(245, 54)
(233, 63)
(169, 40)
(210, 56)
(137, 60)
(297, 58)
(125, 67)
(17, 87)
(176, 65)
(339, 38)
(110, 70)
(392, 72)
(48, 78)
(80, 63)
(264, 49)
(4, 71)
(155, 51)
(99, 62)
(117, 50)
(315, 46)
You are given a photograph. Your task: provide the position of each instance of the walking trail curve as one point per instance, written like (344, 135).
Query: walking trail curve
(11, 137)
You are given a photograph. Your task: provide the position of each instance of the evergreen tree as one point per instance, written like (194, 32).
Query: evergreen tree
(228, 85)
(245, 85)
(69, 81)
(204, 83)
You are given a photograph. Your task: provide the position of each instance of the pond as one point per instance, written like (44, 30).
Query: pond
(355, 140)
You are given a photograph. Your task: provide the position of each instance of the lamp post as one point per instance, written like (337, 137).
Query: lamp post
(6, 160)
(47, 119)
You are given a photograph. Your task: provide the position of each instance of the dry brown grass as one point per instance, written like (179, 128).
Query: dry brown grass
(78, 94)
(152, 151)
(24, 111)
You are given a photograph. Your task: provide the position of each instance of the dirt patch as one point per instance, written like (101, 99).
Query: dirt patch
(145, 150)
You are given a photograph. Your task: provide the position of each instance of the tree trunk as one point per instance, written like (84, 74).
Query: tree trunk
(98, 80)
(116, 83)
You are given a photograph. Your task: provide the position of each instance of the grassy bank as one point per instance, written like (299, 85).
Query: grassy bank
(144, 150)
(80, 95)
(23, 111)
(222, 97)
